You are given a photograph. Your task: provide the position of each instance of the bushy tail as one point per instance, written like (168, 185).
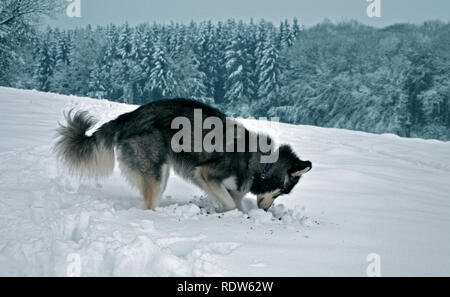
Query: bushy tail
(90, 156)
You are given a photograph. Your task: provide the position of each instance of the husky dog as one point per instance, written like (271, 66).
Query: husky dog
(143, 143)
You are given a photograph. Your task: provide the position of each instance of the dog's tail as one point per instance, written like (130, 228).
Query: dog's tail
(89, 156)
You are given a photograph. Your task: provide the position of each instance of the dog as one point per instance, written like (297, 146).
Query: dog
(143, 141)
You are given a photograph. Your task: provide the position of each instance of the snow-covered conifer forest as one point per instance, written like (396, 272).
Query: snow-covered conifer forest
(394, 79)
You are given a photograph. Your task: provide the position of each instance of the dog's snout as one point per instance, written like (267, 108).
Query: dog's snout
(308, 164)
(265, 201)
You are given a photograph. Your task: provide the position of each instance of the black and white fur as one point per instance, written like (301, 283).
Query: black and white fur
(141, 140)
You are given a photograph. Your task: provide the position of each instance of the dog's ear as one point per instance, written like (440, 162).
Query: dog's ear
(300, 168)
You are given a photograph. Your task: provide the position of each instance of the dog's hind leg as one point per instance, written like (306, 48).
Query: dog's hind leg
(153, 187)
(214, 189)
(148, 185)
(151, 191)
(144, 167)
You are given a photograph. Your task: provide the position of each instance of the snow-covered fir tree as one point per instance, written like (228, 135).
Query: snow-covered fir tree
(45, 62)
(235, 67)
(269, 74)
(162, 82)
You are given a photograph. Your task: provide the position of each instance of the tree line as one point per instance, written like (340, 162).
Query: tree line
(347, 75)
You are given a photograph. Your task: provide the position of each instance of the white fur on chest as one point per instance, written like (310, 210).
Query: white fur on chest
(230, 183)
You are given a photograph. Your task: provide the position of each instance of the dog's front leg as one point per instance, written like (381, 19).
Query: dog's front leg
(237, 197)
(215, 190)
(219, 193)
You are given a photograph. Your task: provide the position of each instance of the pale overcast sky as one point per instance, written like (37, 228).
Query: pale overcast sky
(309, 12)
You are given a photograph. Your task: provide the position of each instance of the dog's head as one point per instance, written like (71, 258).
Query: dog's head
(280, 177)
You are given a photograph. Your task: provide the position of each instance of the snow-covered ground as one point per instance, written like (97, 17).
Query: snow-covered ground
(366, 194)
